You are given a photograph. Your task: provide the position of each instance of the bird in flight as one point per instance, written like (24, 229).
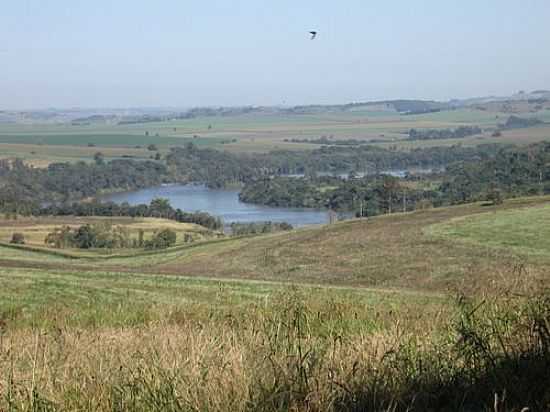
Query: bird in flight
(313, 34)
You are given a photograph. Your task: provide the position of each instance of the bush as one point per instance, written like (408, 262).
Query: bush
(495, 197)
(18, 239)
(238, 229)
(102, 235)
(162, 239)
(85, 237)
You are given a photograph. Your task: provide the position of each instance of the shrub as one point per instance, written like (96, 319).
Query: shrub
(18, 239)
(162, 239)
(495, 197)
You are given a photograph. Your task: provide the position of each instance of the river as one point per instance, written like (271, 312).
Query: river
(221, 203)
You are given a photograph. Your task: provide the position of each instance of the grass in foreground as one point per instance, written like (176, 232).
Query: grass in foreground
(300, 349)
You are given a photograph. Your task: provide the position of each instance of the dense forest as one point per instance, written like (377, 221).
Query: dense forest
(365, 196)
(512, 171)
(25, 188)
(471, 172)
(213, 167)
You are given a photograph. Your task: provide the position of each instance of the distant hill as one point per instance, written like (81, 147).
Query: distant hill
(537, 99)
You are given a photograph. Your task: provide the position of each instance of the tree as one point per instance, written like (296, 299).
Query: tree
(495, 197)
(17, 239)
(390, 187)
(162, 239)
(160, 207)
(99, 158)
(85, 237)
(60, 238)
(140, 241)
(152, 148)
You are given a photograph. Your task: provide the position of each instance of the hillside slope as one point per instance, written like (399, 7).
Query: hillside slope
(393, 251)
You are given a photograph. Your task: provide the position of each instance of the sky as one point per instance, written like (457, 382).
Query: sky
(186, 53)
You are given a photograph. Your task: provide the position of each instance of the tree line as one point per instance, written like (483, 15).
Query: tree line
(238, 229)
(158, 207)
(436, 134)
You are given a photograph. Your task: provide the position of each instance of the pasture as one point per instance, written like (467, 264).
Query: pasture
(522, 231)
(429, 250)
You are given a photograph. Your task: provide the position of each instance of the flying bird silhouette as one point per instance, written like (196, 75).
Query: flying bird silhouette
(313, 34)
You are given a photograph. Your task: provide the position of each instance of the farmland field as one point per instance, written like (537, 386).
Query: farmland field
(40, 143)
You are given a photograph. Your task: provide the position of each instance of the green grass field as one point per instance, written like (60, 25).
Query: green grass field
(524, 231)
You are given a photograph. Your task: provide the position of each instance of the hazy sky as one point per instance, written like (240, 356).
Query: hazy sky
(120, 53)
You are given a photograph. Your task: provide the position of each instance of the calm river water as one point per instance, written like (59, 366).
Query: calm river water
(221, 203)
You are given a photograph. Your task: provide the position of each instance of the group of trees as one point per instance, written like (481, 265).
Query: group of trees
(100, 235)
(158, 207)
(512, 171)
(435, 134)
(366, 196)
(104, 235)
(324, 140)
(212, 167)
(24, 188)
(219, 169)
(238, 229)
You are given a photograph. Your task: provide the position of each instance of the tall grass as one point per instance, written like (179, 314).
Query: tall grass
(290, 353)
